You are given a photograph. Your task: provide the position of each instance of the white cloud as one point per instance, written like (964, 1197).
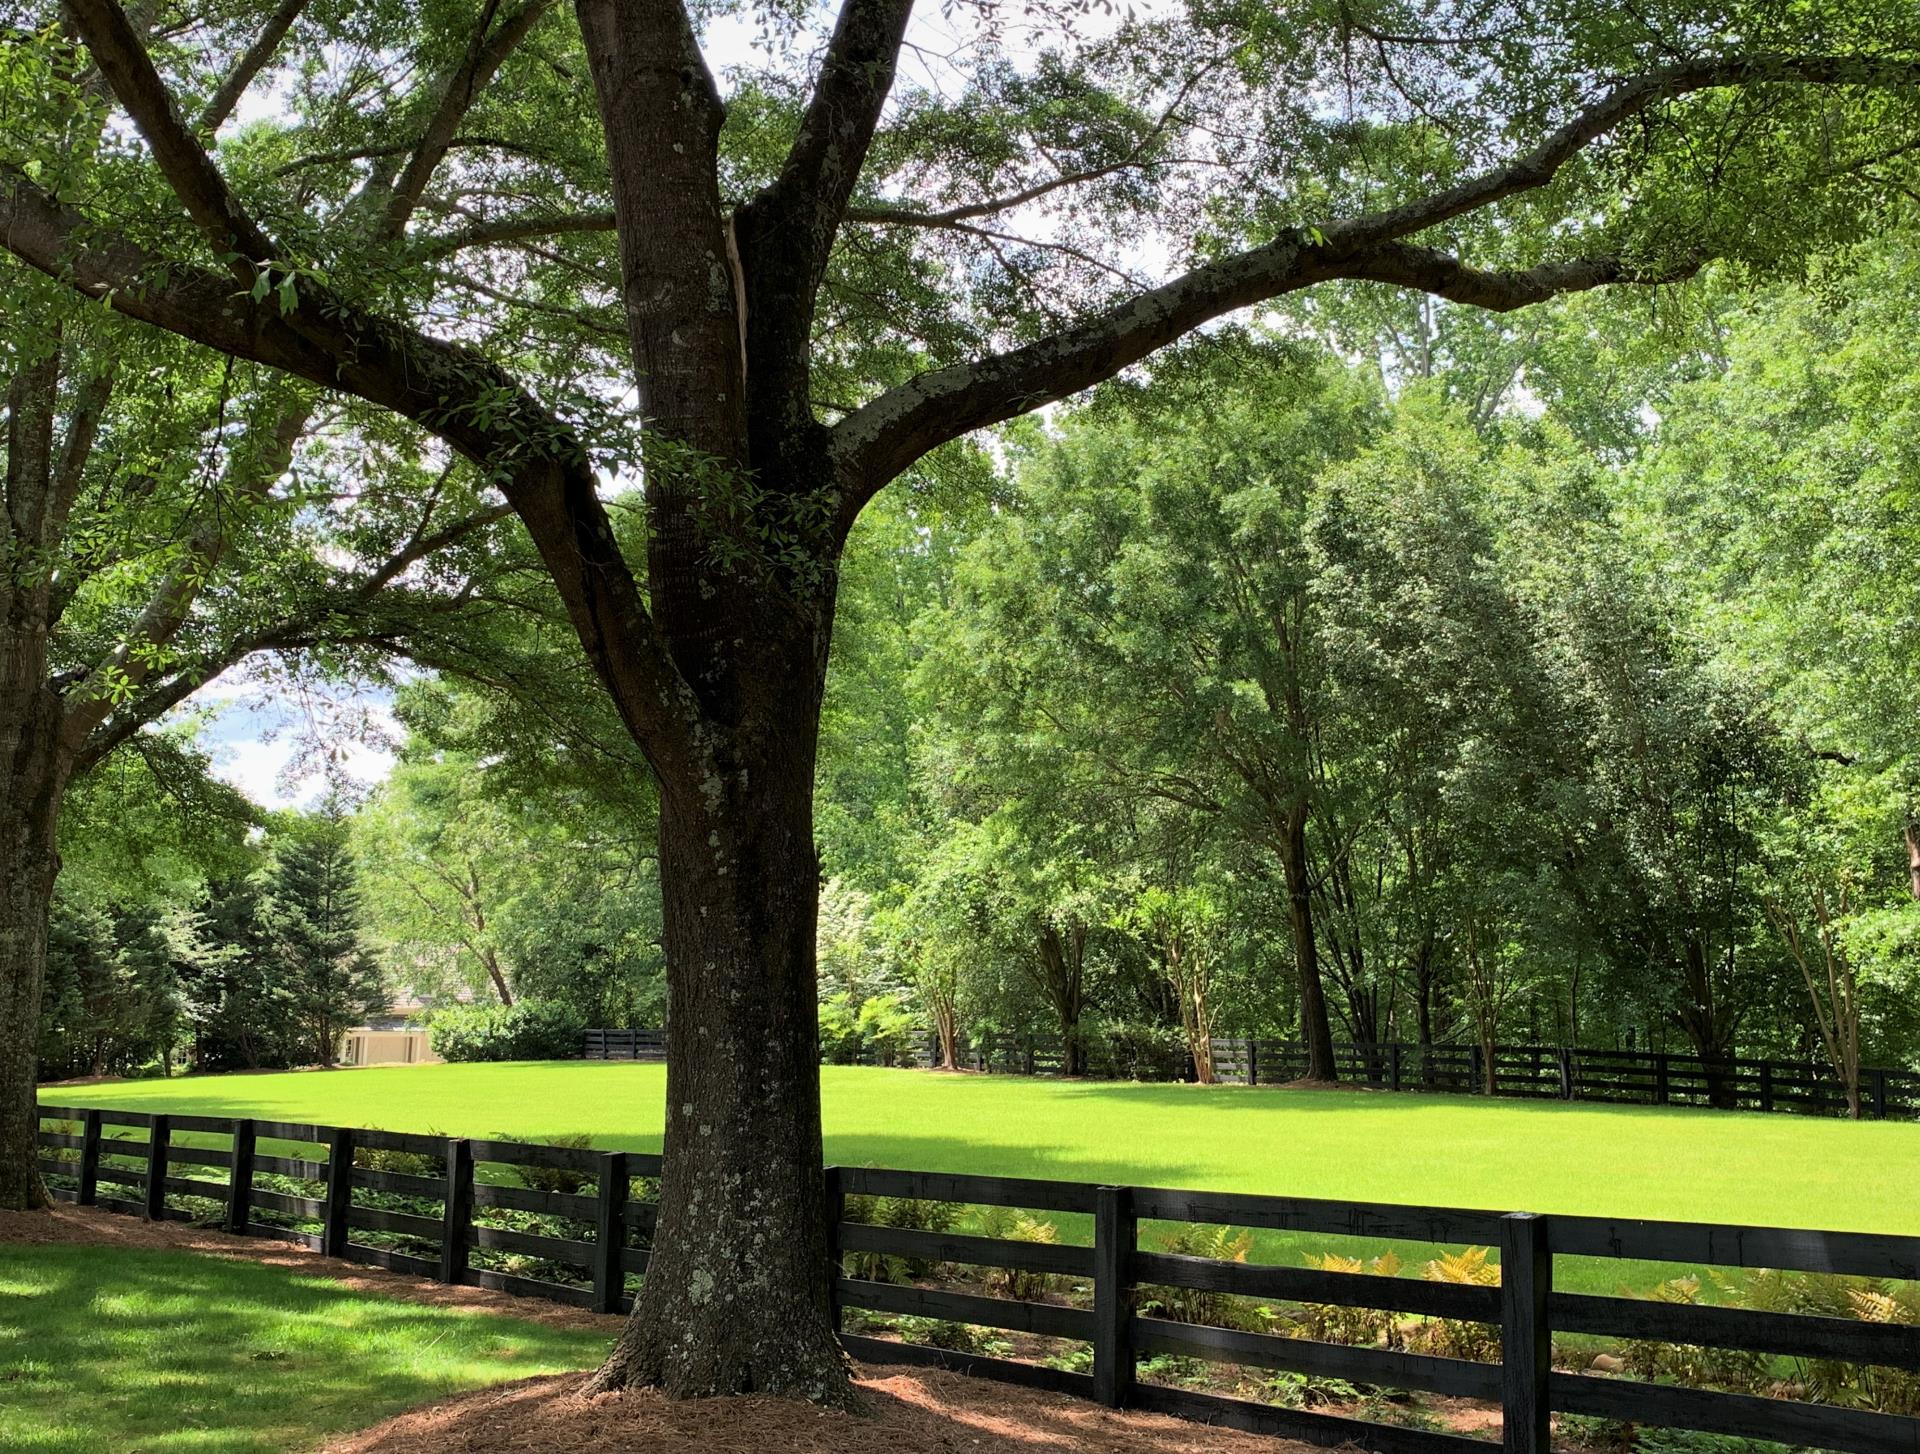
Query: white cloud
(285, 750)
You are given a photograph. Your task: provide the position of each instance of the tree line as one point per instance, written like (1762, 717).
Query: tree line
(1275, 696)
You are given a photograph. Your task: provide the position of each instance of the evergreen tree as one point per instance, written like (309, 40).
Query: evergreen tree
(311, 917)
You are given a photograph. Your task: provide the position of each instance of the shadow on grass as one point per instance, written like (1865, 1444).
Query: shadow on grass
(120, 1350)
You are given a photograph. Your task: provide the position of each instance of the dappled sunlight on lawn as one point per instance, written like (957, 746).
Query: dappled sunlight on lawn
(106, 1351)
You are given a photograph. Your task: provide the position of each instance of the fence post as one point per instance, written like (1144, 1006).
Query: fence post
(160, 1136)
(610, 1245)
(836, 1197)
(456, 1216)
(1253, 1061)
(1393, 1063)
(1566, 1072)
(1526, 1335)
(1115, 1234)
(1476, 1071)
(1879, 1094)
(333, 1233)
(1766, 1085)
(89, 1193)
(240, 1179)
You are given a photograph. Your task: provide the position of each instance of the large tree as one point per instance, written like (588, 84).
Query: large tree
(173, 513)
(819, 287)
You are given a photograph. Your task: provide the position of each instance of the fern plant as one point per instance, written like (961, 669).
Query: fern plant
(1008, 1225)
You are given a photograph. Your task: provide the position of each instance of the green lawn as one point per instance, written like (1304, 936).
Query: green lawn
(1543, 1156)
(104, 1351)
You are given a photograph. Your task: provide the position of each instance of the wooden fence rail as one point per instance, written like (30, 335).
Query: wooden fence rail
(1525, 1308)
(1543, 1072)
(625, 1045)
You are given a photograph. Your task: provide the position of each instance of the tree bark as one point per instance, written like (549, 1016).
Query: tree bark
(33, 777)
(1315, 1028)
(1061, 959)
(1709, 1026)
(736, 1296)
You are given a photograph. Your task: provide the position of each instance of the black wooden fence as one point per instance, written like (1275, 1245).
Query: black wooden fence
(625, 1045)
(1546, 1072)
(1525, 1307)
(152, 1175)
(1561, 1072)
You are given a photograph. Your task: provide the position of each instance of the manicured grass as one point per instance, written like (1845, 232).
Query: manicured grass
(1543, 1156)
(104, 1351)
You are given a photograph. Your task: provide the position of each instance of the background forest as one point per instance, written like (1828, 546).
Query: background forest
(1390, 671)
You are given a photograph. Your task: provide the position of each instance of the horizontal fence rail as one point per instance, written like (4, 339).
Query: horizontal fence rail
(358, 1195)
(1107, 1298)
(625, 1045)
(1541, 1072)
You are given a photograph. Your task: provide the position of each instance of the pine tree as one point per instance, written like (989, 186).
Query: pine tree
(311, 917)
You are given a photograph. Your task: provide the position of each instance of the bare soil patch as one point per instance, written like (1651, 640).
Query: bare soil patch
(908, 1411)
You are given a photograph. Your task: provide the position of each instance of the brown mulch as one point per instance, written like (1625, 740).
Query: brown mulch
(908, 1411)
(1321, 1085)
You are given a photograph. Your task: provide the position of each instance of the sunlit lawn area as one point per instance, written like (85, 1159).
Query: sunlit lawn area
(1693, 1165)
(110, 1350)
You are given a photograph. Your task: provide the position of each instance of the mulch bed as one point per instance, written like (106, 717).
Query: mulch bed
(908, 1410)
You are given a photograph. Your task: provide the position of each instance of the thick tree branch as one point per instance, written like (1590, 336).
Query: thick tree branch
(220, 104)
(1628, 99)
(1429, 270)
(662, 114)
(463, 398)
(518, 229)
(123, 60)
(789, 229)
(877, 441)
(485, 55)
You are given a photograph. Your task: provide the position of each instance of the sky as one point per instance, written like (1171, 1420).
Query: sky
(272, 742)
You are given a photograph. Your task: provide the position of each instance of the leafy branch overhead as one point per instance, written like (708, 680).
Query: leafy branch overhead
(1621, 113)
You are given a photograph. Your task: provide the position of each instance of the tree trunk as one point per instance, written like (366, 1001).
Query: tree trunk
(1315, 1028)
(1061, 960)
(32, 782)
(1709, 1028)
(946, 1029)
(736, 1296)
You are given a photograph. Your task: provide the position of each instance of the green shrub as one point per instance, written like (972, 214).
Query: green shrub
(954, 1337)
(902, 1212)
(1198, 1305)
(529, 1030)
(554, 1178)
(1009, 1225)
(409, 1163)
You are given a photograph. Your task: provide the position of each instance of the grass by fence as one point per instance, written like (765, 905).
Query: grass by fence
(1551, 1072)
(1121, 1324)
